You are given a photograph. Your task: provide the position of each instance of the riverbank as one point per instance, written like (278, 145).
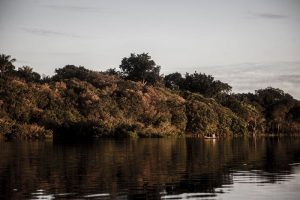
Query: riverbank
(81, 103)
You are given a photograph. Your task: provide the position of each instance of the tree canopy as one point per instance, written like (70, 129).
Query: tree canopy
(6, 63)
(197, 82)
(27, 73)
(77, 101)
(140, 67)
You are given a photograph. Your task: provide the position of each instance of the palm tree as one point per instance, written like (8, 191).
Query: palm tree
(6, 63)
(27, 73)
(26, 69)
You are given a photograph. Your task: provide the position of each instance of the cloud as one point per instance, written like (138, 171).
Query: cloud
(293, 78)
(74, 8)
(47, 33)
(270, 15)
(248, 77)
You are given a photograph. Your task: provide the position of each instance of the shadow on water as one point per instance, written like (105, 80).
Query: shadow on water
(142, 168)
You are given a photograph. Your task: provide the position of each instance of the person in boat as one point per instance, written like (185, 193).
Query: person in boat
(211, 136)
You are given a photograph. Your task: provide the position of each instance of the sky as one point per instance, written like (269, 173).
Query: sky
(250, 44)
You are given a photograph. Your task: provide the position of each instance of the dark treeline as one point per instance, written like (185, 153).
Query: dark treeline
(137, 101)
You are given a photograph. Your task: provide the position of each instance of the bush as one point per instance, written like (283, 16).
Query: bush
(28, 131)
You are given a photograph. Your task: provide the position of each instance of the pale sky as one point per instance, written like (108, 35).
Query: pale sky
(250, 44)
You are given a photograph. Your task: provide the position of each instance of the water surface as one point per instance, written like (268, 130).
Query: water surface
(240, 168)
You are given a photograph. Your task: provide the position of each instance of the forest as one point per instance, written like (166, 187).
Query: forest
(135, 100)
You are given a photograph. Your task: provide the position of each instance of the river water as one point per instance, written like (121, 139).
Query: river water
(191, 168)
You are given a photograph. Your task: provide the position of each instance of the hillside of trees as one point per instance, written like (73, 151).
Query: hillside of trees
(135, 100)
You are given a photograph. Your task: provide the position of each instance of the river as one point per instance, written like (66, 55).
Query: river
(182, 168)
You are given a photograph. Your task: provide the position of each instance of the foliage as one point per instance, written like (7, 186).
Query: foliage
(174, 81)
(28, 74)
(278, 108)
(113, 72)
(197, 82)
(206, 116)
(140, 67)
(249, 113)
(6, 64)
(77, 102)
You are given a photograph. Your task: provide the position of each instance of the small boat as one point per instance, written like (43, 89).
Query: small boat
(213, 136)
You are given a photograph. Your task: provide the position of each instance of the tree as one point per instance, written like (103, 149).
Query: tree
(205, 84)
(173, 80)
(28, 74)
(294, 113)
(197, 82)
(6, 63)
(270, 96)
(276, 105)
(113, 71)
(71, 71)
(140, 67)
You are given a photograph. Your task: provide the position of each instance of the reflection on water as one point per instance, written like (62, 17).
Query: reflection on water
(152, 169)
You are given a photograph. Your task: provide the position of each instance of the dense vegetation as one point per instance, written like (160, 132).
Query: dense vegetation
(136, 101)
